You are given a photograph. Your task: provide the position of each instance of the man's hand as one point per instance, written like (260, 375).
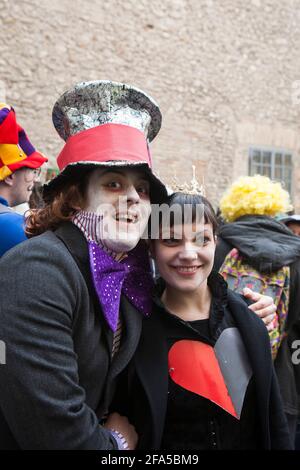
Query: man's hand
(263, 306)
(121, 424)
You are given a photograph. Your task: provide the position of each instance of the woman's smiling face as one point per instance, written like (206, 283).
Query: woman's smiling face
(185, 255)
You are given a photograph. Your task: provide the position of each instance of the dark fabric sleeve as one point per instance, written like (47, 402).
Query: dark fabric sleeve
(222, 250)
(130, 400)
(40, 395)
(245, 299)
(279, 431)
(293, 321)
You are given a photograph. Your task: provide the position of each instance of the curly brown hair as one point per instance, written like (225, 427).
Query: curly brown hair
(61, 207)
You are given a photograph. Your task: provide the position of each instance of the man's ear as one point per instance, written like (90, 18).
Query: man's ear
(9, 180)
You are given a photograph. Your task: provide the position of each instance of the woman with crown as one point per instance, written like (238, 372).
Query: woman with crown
(202, 377)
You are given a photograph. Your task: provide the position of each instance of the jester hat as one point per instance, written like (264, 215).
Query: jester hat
(16, 151)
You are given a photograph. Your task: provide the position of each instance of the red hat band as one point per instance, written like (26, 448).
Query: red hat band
(108, 142)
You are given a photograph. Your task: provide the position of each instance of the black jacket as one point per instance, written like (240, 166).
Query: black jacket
(58, 379)
(148, 375)
(268, 245)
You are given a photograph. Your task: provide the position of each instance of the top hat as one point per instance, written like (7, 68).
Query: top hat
(105, 123)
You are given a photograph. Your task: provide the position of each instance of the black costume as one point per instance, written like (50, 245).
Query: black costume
(59, 379)
(169, 416)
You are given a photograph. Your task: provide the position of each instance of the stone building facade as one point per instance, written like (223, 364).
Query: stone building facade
(225, 73)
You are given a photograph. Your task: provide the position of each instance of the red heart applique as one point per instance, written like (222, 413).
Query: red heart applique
(193, 365)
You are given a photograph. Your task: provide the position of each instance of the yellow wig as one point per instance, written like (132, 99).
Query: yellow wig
(254, 195)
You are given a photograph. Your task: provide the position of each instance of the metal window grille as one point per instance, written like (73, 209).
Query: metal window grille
(274, 163)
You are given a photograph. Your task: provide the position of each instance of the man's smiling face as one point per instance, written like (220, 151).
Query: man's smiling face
(121, 197)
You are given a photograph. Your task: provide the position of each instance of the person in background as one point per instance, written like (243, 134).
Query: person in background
(208, 382)
(255, 250)
(292, 222)
(20, 167)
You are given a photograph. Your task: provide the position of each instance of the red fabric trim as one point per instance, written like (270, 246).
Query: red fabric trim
(9, 129)
(104, 143)
(35, 160)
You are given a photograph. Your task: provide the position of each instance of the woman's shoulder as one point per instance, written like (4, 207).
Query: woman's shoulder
(246, 319)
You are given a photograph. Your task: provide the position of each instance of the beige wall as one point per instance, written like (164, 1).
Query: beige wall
(251, 134)
(222, 71)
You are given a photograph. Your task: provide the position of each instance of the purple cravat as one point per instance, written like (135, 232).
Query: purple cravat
(131, 277)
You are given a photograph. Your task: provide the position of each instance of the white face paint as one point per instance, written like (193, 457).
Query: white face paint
(121, 197)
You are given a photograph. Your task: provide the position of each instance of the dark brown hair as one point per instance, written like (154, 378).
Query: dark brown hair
(198, 204)
(195, 201)
(36, 199)
(60, 207)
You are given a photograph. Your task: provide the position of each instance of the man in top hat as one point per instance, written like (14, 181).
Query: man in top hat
(72, 299)
(19, 168)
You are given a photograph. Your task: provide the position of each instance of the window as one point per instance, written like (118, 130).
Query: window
(275, 163)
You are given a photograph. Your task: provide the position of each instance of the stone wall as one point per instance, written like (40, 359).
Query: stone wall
(224, 73)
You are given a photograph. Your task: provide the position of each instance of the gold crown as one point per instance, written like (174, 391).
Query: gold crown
(193, 188)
